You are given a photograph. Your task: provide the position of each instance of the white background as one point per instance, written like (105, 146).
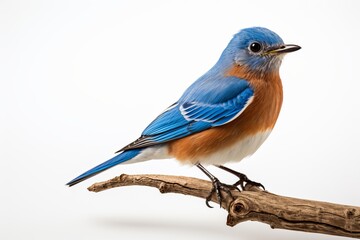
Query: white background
(80, 79)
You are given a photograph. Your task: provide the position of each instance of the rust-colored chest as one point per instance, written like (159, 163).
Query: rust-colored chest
(259, 116)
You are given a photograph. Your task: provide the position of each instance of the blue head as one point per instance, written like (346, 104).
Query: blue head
(257, 49)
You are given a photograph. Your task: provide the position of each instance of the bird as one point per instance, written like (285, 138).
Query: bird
(224, 116)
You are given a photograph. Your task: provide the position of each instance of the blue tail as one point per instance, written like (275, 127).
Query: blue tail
(120, 158)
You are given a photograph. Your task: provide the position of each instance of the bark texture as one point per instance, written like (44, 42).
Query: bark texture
(255, 205)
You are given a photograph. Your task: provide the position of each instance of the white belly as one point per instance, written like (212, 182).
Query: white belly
(236, 152)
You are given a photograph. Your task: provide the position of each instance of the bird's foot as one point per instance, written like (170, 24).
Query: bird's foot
(243, 179)
(217, 188)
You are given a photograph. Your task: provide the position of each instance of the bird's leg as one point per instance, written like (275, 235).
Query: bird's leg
(217, 186)
(242, 178)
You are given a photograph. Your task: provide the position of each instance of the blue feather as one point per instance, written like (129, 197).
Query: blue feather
(197, 110)
(120, 158)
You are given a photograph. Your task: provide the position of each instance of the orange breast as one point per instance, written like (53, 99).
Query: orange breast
(259, 116)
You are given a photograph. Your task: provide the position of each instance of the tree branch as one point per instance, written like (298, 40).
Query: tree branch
(255, 205)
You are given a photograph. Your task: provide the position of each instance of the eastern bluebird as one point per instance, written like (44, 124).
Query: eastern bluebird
(224, 116)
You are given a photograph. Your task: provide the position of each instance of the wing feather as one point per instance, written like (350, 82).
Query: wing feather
(188, 117)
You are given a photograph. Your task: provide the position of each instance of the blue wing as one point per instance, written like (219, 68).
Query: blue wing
(204, 105)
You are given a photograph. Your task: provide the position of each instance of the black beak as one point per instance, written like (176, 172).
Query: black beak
(286, 48)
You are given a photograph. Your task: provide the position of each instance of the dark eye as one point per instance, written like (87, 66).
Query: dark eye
(255, 47)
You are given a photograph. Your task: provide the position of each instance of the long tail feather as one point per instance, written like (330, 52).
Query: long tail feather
(120, 158)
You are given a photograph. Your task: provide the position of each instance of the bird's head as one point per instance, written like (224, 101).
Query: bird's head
(257, 49)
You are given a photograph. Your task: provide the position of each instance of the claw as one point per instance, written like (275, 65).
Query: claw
(208, 199)
(217, 187)
(256, 184)
(242, 179)
(207, 203)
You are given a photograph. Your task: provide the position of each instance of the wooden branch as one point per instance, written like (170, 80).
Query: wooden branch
(255, 205)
